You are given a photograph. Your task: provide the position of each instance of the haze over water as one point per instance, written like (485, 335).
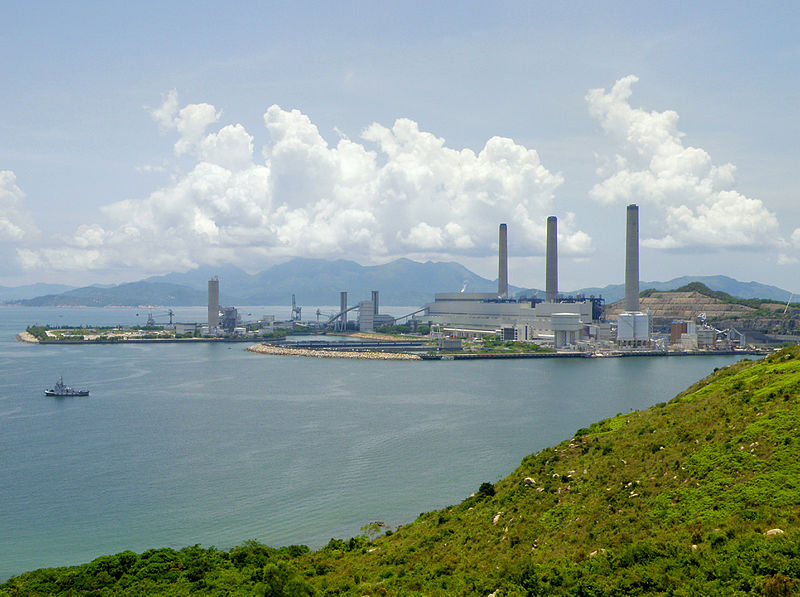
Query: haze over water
(184, 444)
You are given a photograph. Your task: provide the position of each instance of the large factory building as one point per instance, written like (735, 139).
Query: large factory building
(554, 322)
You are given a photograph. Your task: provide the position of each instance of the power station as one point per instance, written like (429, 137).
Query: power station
(562, 322)
(558, 321)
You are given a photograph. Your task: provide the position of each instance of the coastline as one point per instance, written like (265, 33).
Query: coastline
(332, 354)
(27, 338)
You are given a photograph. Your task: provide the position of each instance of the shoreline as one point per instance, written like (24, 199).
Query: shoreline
(27, 338)
(332, 354)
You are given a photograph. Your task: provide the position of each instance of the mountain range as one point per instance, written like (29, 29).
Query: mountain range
(319, 281)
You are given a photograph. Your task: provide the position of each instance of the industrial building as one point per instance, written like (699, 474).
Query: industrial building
(557, 322)
(221, 320)
(561, 322)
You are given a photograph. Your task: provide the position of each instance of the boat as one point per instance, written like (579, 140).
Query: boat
(60, 389)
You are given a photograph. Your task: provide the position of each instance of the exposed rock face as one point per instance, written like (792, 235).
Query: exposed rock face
(774, 532)
(683, 305)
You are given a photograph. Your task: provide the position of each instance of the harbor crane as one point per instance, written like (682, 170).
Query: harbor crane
(151, 317)
(295, 310)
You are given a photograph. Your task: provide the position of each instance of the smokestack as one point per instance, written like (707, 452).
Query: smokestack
(213, 303)
(632, 259)
(551, 261)
(374, 302)
(343, 308)
(502, 266)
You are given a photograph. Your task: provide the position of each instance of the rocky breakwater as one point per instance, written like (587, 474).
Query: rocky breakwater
(333, 354)
(27, 337)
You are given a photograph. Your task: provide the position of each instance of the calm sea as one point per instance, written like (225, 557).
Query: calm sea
(208, 444)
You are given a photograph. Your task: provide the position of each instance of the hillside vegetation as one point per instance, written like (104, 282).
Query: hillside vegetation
(698, 496)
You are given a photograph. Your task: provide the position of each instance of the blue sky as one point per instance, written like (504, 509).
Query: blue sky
(141, 139)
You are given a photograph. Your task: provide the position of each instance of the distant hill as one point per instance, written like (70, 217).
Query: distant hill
(124, 295)
(313, 281)
(744, 290)
(697, 496)
(15, 293)
(400, 282)
(319, 281)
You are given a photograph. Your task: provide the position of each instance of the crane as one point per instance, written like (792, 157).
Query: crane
(151, 321)
(295, 310)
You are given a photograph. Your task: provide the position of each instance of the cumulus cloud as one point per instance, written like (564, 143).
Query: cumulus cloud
(191, 121)
(691, 197)
(15, 222)
(397, 191)
(794, 242)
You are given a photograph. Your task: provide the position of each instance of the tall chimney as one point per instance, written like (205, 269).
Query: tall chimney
(632, 259)
(213, 303)
(374, 302)
(502, 265)
(343, 308)
(551, 261)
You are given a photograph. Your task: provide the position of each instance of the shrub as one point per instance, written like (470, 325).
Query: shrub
(486, 490)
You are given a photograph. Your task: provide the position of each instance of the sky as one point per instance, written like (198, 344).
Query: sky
(144, 138)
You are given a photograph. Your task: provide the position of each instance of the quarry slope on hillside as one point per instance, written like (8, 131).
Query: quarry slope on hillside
(683, 305)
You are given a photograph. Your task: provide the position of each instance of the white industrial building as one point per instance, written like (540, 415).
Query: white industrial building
(477, 314)
(474, 314)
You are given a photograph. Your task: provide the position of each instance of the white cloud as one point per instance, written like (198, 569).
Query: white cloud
(676, 185)
(15, 222)
(191, 121)
(788, 259)
(398, 192)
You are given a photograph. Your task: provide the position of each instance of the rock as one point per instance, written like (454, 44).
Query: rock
(774, 532)
(528, 482)
(496, 517)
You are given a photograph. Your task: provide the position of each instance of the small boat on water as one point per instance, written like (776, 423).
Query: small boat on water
(60, 389)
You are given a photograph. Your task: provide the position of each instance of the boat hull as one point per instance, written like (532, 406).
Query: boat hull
(62, 394)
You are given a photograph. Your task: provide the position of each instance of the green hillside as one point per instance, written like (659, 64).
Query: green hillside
(698, 496)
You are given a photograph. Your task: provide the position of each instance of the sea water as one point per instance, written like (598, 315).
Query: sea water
(208, 444)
